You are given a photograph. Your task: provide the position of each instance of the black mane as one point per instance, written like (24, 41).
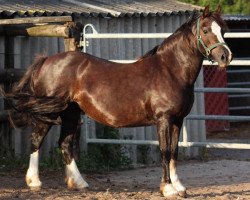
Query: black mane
(192, 20)
(150, 52)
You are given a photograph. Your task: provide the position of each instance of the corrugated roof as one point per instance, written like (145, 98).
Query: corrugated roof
(104, 8)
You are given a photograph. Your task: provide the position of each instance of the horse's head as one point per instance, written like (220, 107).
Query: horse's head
(210, 42)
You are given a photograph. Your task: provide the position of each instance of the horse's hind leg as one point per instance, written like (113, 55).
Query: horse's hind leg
(32, 176)
(70, 119)
(174, 154)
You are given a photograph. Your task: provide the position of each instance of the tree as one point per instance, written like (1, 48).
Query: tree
(228, 6)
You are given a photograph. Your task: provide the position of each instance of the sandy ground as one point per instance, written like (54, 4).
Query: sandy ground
(226, 176)
(217, 179)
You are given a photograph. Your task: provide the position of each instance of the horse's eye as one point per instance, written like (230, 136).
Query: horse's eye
(205, 31)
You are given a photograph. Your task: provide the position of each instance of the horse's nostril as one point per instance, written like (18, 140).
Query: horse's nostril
(223, 57)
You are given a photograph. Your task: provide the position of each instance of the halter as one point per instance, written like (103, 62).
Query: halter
(207, 49)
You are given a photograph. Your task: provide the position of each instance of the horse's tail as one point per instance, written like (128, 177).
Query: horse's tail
(25, 85)
(29, 108)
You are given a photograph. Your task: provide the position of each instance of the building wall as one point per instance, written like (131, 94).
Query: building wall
(25, 49)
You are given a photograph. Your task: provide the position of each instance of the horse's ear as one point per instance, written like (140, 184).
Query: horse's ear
(218, 10)
(206, 12)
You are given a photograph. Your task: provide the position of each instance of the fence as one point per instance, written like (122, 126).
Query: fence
(185, 142)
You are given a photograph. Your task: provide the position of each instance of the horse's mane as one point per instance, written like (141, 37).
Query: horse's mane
(150, 53)
(189, 22)
(186, 27)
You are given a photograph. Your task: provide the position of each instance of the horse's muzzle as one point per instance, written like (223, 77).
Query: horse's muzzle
(224, 58)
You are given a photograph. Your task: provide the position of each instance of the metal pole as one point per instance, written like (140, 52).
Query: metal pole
(218, 117)
(127, 35)
(205, 62)
(84, 44)
(219, 90)
(181, 144)
(237, 35)
(150, 35)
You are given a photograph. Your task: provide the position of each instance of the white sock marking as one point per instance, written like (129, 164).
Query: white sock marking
(72, 172)
(216, 29)
(33, 171)
(175, 179)
(169, 190)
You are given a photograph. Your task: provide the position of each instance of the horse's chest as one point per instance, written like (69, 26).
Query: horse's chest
(177, 103)
(184, 103)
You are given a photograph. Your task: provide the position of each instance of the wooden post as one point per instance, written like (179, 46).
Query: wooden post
(35, 20)
(6, 127)
(3, 118)
(54, 30)
(72, 43)
(10, 75)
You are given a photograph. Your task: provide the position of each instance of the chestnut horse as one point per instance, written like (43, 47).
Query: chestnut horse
(157, 89)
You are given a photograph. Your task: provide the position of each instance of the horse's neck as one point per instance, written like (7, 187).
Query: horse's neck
(185, 55)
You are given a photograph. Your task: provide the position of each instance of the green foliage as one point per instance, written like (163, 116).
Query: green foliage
(8, 162)
(104, 156)
(228, 6)
(54, 161)
(144, 151)
(100, 157)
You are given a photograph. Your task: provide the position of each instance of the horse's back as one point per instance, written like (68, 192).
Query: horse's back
(61, 72)
(55, 74)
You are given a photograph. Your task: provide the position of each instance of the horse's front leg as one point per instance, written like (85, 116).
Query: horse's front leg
(164, 130)
(32, 175)
(173, 161)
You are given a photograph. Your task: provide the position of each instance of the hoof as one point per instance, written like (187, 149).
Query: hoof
(172, 197)
(34, 185)
(168, 191)
(74, 178)
(182, 194)
(74, 185)
(28, 180)
(180, 188)
(35, 188)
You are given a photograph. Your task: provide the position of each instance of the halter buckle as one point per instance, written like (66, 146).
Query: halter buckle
(208, 51)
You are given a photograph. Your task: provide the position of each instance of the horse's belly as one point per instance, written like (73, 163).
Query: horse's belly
(118, 120)
(114, 114)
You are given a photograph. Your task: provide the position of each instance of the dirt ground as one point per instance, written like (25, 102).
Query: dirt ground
(216, 179)
(225, 176)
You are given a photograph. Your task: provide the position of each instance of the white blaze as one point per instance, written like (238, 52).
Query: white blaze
(216, 29)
